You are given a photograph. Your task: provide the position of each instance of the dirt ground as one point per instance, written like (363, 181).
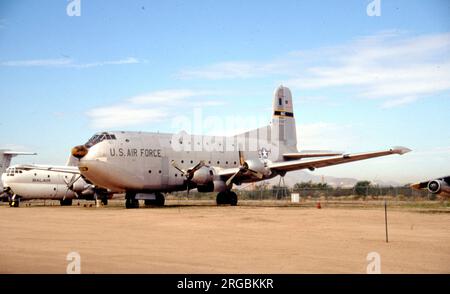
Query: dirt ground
(210, 239)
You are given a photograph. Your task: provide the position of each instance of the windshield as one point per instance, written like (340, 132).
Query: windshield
(97, 138)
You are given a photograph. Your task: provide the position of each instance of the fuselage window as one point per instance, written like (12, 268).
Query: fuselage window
(150, 171)
(159, 171)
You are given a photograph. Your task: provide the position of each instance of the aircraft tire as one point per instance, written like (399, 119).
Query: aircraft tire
(220, 199)
(159, 201)
(104, 201)
(131, 203)
(232, 198)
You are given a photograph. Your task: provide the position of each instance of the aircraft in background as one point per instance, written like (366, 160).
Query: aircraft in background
(5, 160)
(146, 165)
(440, 186)
(27, 182)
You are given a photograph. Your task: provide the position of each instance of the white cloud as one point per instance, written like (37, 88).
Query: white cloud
(393, 67)
(65, 62)
(150, 107)
(397, 102)
(124, 115)
(167, 96)
(59, 62)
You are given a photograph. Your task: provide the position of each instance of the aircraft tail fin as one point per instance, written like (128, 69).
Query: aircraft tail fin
(283, 121)
(5, 160)
(72, 161)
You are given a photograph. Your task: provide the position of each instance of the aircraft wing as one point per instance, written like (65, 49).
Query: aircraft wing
(333, 160)
(64, 169)
(19, 153)
(286, 166)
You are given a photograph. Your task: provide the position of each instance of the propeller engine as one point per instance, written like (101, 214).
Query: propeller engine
(253, 167)
(77, 185)
(438, 186)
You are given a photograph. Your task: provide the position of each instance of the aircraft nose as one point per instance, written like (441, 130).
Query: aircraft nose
(79, 151)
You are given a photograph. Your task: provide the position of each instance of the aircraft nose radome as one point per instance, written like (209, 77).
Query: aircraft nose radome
(79, 151)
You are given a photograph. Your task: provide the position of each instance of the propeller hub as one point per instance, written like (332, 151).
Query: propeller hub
(79, 151)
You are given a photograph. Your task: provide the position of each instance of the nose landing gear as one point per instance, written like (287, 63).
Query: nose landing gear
(14, 201)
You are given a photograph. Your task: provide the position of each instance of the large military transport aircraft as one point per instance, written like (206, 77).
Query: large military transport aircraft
(146, 165)
(27, 182)
(440, 186)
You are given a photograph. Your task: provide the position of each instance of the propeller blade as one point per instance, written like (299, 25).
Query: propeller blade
(241, 158)
(230, 180)
(178, 168)
(197, 167)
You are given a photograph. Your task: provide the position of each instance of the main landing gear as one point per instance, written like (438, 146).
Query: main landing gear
(65, 202)
(132, 202)
(227, 197)
(158, 201)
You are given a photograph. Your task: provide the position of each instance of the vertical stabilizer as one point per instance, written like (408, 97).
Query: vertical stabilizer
(283, 121)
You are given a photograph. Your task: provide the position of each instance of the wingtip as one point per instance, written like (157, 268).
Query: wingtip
(400, 150)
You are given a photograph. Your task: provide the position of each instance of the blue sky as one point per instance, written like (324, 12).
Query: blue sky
(359, 83)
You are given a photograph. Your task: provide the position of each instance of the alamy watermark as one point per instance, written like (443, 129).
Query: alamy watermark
(374, 263)
(73, 8)
(374, 8)
(74, 265)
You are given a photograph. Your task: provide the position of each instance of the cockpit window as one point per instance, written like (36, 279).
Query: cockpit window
(97, 138)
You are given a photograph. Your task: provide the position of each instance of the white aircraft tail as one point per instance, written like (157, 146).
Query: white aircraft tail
(283, 121)
(280, 134)
(72, 161)
(5, 160)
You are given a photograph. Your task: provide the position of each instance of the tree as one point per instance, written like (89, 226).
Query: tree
(362, 188)
(298, 187)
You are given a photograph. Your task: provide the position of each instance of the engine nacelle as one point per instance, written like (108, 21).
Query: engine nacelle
(438, 186)
(203, 176)
(214, 186)
(79, 186)
(258, 166)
